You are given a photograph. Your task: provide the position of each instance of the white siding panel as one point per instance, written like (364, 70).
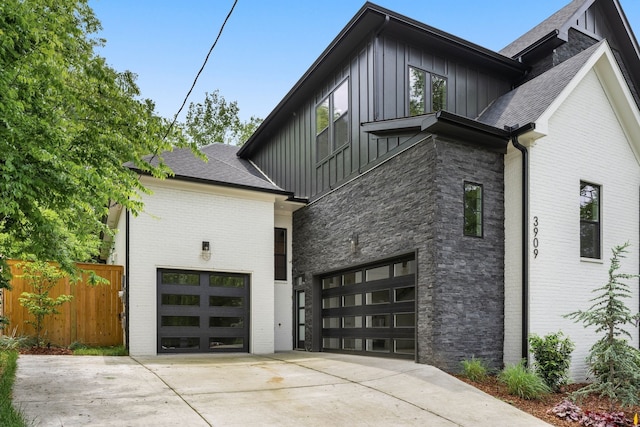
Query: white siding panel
(585, 142)
(177, 217)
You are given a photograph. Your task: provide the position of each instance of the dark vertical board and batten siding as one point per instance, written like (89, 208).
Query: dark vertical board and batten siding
(289, 155)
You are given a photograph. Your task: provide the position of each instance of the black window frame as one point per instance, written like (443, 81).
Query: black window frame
(591, 242)
(429, 96)
(280, 256)
(480, 214)
(332, 119)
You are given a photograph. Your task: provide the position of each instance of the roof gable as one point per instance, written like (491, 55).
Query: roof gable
(528, 102)
(600, 59)
(595, 19)
(368, 22)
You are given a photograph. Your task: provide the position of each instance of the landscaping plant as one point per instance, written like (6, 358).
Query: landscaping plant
(474, 369)
(615, 364)
(42, 277)
(523, 382)
(552, 357)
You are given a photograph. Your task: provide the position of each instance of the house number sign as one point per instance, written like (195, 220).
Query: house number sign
(535, 242)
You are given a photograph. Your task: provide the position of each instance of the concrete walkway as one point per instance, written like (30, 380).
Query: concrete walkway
(284, 389)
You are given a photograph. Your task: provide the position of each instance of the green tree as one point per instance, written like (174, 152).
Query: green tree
(614, 363)
(68, 123)
(42, 277)
(216, 121)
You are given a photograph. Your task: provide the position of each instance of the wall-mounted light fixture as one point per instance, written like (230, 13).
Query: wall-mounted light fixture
(206, 251)
(353, 242)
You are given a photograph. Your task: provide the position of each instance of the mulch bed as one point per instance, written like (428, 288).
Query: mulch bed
(56, 351)
(539, 408)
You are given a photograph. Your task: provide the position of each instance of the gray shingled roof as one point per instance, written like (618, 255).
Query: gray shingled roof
(554, 22)
(223, 168)
(526, 103)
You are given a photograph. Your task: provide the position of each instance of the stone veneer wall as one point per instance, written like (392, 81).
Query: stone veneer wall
(414, 203)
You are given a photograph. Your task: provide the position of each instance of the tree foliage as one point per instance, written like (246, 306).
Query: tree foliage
(68, 124)
(614, 363)
(216, 121)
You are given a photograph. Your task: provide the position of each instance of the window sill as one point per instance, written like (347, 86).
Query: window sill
(591, 260)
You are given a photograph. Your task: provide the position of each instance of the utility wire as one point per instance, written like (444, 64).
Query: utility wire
(175, 118)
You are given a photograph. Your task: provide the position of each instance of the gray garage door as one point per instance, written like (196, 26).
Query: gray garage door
(370, 310)
(200, 312)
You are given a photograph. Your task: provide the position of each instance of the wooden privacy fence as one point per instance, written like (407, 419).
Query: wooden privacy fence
(92, 317)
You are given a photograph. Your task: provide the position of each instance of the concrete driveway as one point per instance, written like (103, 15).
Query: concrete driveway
(283, 389)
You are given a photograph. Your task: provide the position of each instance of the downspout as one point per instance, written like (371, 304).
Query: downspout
(126, 282)
(515, 131)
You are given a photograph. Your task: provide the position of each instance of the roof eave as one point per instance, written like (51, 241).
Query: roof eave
(288, 194)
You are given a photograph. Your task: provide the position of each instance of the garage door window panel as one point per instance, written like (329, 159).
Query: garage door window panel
(173, 299)
(191, 343)
(367, 310)
(210, 308)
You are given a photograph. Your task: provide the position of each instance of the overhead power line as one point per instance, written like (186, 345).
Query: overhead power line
(175, 118)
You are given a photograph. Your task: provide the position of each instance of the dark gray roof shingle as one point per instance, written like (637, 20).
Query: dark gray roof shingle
(223, 168)
(526, 103)
(554, 22)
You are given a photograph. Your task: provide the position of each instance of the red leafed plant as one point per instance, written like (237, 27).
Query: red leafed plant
(605, 419)
(569, 411)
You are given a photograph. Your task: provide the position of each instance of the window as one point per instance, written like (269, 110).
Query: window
(332, 121)
(472, 209)
(280, 251)
(427, 92)
(589, 220)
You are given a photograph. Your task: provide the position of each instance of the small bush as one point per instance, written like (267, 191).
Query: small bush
(474, 369)
(552, 355)
(523, 383)
(567, 410)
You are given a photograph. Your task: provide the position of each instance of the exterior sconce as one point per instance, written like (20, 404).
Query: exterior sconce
(353, 241)
(206, 251)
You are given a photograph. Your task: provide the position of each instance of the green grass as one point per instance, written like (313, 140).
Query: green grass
(475, 369)
(118, 350)
(523, 383)
(9, 417)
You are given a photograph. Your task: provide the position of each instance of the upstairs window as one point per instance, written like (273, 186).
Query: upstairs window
(427, 92)
(280, 252)
(332, 121)
(589, 220)
(472, 209)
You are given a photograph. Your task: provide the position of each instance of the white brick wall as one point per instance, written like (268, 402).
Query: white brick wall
(585, 142)
(513, 257)
(177, 217)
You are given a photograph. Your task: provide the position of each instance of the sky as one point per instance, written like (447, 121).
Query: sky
(267, 45)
